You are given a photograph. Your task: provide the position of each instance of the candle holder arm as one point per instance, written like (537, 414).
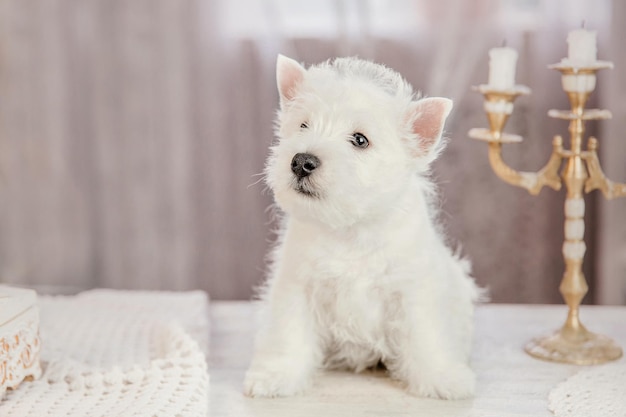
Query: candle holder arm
(533, 182)
(597, 179)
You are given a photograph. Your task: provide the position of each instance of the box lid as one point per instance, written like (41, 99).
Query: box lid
(14, 301)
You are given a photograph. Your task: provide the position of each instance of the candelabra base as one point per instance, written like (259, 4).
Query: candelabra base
(580, 347)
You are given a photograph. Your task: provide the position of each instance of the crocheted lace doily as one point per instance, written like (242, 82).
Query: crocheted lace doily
(118, 353)
(597, 392)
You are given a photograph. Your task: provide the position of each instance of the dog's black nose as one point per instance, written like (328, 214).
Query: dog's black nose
(303, 164)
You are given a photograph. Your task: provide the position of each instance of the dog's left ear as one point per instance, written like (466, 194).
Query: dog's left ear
(289, 73)
(427, 117)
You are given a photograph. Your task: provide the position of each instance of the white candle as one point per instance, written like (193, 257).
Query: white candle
(581, 47)
(502, 63)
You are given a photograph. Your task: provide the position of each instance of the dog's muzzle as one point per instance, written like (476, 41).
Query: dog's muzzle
(303, 164)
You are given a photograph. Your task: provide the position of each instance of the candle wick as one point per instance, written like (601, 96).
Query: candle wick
(583, 24)
(504, 43)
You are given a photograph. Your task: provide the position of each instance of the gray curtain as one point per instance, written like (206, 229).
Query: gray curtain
(132, 135)
(610, 268)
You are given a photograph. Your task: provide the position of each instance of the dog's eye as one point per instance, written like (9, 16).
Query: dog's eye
(359, 140)
(304, 125)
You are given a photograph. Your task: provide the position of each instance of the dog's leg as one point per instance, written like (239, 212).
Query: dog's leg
(426, 356)
(287, 351)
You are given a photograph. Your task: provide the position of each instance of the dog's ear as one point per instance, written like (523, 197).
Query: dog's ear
(427, 117)
(289, 73)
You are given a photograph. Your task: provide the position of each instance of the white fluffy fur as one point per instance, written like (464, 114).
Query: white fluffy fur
(361, 272)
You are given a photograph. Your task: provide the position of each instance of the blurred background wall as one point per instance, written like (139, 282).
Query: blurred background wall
(132, 135)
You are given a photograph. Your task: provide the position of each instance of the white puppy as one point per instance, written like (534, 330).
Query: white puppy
(361, 272)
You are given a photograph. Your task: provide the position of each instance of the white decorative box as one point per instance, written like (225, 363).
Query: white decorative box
(19, 337)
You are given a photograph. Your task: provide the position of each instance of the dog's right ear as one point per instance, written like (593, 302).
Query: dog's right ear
(289, 73)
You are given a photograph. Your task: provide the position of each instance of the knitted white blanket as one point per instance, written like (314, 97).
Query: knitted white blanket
(119, 353)
(597, 392)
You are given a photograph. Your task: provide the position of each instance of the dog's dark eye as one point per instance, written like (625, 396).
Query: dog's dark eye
(359, 140)
(304, 125)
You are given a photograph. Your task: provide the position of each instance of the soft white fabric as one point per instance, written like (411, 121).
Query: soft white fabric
(599, 392)
(117, 353)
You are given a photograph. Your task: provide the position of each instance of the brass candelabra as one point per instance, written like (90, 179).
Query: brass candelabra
(581, 173)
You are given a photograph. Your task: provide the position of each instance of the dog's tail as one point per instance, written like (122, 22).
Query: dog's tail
(479, 294)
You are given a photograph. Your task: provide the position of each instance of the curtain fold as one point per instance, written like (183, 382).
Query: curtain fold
(611, 225)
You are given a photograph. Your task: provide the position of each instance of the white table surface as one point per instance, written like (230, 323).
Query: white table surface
(510, 383)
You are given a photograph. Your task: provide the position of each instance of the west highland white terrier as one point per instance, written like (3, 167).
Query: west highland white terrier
(361, 273)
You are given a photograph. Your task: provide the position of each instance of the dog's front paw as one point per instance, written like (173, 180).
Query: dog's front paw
(450, 383)
(266, 383)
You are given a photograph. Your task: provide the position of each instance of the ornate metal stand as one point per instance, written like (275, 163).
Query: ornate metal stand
(573, 343)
